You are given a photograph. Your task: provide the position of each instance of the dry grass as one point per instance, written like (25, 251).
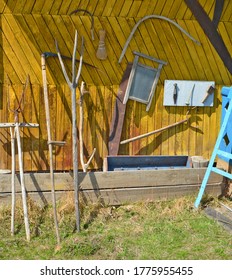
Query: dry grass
(145, 230)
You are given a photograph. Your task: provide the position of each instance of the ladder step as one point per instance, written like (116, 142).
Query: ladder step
(217, 151)
(224, 154)
(56, 143)
(222, 172)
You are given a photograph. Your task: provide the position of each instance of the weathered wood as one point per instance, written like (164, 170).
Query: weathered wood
(15, 133)
(127, 179)
(50, 146)
(118, 115)
(22, 183)
(153, 37)
(12, 136)
(122, 195)
(111, 180)
(73, 83)
(81, 129)
(222, 219)
(152, 132)
(217, 12)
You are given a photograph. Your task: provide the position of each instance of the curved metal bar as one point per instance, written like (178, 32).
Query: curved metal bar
(92, 19)
(156, 17)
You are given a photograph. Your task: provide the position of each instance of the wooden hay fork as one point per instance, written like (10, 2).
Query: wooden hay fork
(15, 133)
(50, 143)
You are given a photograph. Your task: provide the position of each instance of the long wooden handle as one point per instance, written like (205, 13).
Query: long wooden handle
(23, 189)
(153, 132)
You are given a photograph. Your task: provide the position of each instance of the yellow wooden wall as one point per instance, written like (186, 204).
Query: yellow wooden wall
(30, 27)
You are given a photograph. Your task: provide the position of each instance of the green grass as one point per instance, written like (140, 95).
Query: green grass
(158, 230)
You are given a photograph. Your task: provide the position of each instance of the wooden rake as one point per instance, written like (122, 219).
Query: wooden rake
(15, 134)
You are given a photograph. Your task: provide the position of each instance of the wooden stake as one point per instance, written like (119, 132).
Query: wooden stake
(50, 147)
(12, 136)
(24, 195)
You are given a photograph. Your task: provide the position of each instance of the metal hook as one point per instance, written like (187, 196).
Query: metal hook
(92, 19)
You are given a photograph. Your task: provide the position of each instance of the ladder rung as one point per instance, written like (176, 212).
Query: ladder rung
(222, 172)
(224, 154)
(57, 143)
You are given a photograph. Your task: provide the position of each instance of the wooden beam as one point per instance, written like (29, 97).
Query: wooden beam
(40, 182)
(211, 32)
(122, 196)
(115, 188)
(119, 196)
(218, 12)
(118, 115)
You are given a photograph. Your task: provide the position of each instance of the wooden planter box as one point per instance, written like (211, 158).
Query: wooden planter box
(115, 188)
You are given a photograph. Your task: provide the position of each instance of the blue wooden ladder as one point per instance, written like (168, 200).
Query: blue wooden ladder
(217, 151)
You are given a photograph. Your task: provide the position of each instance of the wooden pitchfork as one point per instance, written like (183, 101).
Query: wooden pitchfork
(73, 83)
(15, 133)
(51, 143)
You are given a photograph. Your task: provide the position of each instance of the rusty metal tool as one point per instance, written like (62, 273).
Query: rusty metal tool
(153, 17)
(92, 20)
(51, 54)
(175, 93)
(209, 91)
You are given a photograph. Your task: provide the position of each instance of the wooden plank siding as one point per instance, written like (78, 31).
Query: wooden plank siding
(29, 27)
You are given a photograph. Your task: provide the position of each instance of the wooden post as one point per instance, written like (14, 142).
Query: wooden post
(24, 195)
(118, 115)
(75, 157)
(12, 136)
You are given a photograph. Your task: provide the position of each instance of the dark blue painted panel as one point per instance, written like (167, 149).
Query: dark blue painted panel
(117, 163)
